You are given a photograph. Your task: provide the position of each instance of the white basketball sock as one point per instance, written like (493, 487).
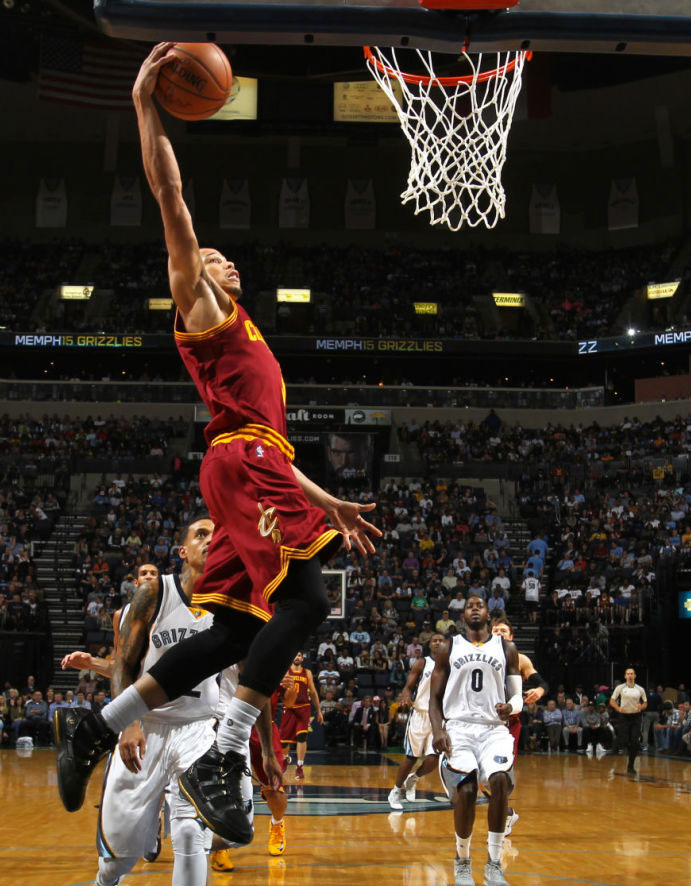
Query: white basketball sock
(234, 730)
(463, 846)
(494, 844)
(125, 709)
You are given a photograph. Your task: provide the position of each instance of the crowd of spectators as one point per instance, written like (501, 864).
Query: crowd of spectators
(27, 712)
(357, 291)
(54, 436)
(555, 444)
(134, 521)
(26, 515)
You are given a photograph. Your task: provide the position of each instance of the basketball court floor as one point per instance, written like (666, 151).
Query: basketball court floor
(582, 822)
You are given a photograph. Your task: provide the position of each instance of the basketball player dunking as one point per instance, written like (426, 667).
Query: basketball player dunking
(270, 535)
(297, 691)
(471, 680)
(418, 733)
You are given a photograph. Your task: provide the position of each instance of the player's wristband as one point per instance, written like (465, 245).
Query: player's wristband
(514, 687)
(535, 681)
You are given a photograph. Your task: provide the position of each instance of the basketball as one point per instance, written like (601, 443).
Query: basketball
(196, 83)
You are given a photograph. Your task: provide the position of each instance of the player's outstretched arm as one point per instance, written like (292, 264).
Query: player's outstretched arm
(440, 675)
(346, 516)
(81, 661)
(163, 174)
(536, 687)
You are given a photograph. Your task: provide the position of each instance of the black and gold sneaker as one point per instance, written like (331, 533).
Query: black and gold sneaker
(212, 785)
(83, 738)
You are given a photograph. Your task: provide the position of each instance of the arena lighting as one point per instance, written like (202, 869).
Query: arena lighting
(160, 304)
(631, 331)
(662, 290)
(509, 299)
(78, 292)
(294, 296)
(426, 307)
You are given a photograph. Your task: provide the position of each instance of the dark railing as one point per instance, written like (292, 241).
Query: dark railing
(305, 395)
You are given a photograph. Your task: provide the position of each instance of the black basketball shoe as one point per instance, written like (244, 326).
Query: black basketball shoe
(83, 738)
(212, 785)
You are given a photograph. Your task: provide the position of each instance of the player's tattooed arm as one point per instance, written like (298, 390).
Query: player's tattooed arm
(133, 637)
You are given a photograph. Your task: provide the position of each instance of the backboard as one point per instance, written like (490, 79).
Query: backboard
(649, 27)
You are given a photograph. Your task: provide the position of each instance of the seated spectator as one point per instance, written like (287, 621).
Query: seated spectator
(496, 603)
(553, 722)
(35, 720)
(572, 732)
(457, 604)
(532, 728)
(444, 623)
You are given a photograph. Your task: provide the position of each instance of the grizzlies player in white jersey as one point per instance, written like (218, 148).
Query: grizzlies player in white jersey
(153, 752)
(418, 734)
(469, 710)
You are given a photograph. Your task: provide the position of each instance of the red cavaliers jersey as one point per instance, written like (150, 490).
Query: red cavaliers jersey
(237, 376)
(299, 679)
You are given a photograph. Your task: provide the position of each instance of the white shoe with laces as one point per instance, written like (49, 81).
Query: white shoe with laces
(462, 872)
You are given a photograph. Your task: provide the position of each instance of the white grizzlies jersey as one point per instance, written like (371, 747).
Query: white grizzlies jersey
(421, 702)
(174, 620)
(476, 683)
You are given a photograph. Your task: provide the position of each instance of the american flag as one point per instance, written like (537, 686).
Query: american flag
(89, 74)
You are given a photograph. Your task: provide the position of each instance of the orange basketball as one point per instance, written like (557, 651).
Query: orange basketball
(196, 82)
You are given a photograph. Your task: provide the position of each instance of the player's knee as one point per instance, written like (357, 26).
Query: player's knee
(187, 835)
(304, 591)
(499, 783)
(300, 737)
(466, 790)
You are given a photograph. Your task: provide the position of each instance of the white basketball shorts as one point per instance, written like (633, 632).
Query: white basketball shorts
(418, 735)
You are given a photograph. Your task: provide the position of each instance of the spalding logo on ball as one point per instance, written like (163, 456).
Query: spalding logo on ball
(196, 82)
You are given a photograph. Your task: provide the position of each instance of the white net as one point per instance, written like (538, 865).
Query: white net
(458, 130)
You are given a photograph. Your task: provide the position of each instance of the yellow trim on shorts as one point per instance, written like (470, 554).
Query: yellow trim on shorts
(231, 603)
(257, 432)
(206, 333)
(288, 554)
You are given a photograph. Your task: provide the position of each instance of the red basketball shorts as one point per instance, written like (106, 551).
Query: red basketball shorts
(515, 730)
(293, 721)
(262, 521)
(256, 755)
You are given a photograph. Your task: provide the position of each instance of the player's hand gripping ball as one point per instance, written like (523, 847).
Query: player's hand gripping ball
(196, 82)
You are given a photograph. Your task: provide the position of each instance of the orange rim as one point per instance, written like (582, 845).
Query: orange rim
(445, 81)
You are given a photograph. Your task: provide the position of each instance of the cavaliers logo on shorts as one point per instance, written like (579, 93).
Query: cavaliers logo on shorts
(268, 524)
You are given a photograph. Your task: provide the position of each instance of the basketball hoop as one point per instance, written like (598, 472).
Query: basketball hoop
(458, 128)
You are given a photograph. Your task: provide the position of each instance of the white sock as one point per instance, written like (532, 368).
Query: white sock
(494, 843)
(273, 820)
(463, 846)
(125, 709)
(301, 762)
(234, 730)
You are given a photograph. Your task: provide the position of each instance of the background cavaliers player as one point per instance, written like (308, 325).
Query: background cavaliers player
(297, 691)
(270, 533)
(535, 688)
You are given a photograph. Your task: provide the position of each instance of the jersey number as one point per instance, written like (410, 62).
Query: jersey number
(476, 680)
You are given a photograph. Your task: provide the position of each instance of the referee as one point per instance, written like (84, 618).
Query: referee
(629, 701)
